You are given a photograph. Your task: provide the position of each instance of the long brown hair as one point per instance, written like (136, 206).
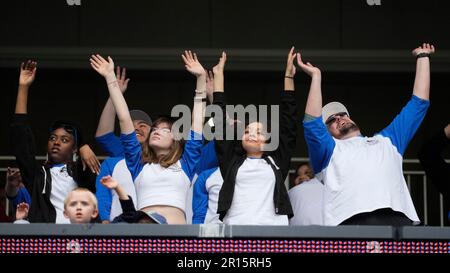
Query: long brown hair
(176, 149)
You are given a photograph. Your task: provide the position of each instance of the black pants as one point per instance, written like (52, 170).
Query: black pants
(380, 217)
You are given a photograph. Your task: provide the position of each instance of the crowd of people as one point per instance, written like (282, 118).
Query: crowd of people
(153, 176)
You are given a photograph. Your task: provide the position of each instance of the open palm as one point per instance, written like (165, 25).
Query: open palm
(27, 72)
(192, 64)
(102, 66)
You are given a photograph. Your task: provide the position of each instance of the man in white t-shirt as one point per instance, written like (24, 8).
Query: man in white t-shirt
(363, 176)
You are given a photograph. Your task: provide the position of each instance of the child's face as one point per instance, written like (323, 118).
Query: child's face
(80, 208)
(254, 139)
(60, 146)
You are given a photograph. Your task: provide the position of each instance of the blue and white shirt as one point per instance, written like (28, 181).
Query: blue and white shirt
(111, 144)
(207, 161)
(363, 174)
(115, 166)
(156, 185)
(108, 201)
(206, 196)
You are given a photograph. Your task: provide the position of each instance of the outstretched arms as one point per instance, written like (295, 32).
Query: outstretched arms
(422, 81)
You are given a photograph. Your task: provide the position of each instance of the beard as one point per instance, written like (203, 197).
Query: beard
(348, 128)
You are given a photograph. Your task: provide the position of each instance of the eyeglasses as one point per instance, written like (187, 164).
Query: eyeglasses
(332, 118)
(162, 130)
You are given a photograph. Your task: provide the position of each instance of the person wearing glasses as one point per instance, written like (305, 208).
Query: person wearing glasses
(50, 183)
(363, 176)
(162, 169)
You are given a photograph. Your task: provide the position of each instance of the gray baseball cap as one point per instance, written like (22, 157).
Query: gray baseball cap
(140, 115)
(333, 108)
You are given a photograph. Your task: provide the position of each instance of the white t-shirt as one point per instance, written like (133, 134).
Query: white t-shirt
(307, 203)
(156, 185)
(62, 185)
(253, 196)
(371, 179)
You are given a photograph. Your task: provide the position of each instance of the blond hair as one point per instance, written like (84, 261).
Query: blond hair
(80, 189)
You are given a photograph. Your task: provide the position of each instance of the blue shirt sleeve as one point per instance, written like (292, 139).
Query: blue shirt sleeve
(200, 197)
(208, 158)
(111, 144)
(404, 126)
(133, 153)
(103, 194)
(320, 144)
(22, 197)
(191, 154)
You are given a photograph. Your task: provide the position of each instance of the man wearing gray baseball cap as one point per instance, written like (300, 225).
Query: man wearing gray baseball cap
(363, 176)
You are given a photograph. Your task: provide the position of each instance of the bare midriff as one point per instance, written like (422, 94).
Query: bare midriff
(173, 215)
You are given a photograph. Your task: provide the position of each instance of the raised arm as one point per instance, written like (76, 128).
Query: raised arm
(318, 139)
(21, 135)
(288, 116)
(218, 73)
(194, 67)
(290, 71)
(13, 180)
(107, 119)
(210, 86)
(422, 81)
(106, 69)
(314, 102)
(27, 75)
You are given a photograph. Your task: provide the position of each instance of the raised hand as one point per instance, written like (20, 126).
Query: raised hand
(102, 66)
(308, 68)
(425, 48)
(27, 73)
(122, 79)
(89, 159)
(218, 68)
(109, 182)
(22, 211)
(13, 177)
(192, 64)
(290, 67)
